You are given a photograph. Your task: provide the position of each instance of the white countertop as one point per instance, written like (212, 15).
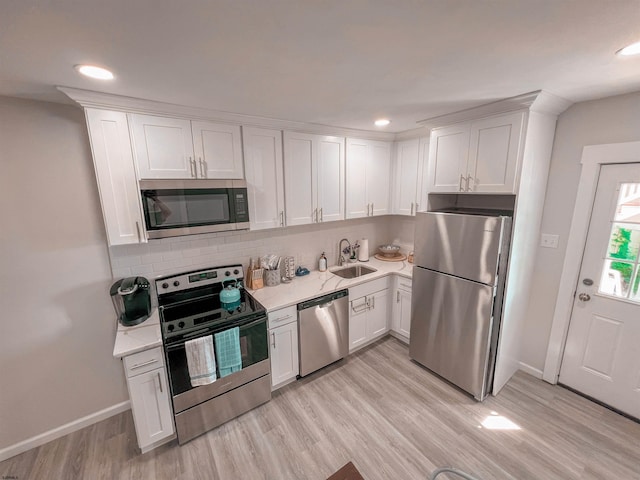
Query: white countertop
(139, 337)
(147, 335)
(321, 283)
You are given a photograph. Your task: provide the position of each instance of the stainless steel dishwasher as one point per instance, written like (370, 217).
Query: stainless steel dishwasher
(323, 325)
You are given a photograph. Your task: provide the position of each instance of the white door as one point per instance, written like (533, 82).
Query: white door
(493, 153)
(602, 352)
(265, 177)
(284, 353)
(403, 312)
(152, 415)
(163, 147)
(407, 177)
(218, 150)
(448, 154)
(357, 322)
(378, 174)
(330, 179)
(378, 315)
(300, 194)
(357, 153)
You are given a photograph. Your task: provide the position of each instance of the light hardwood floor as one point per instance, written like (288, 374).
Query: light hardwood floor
(388, 415)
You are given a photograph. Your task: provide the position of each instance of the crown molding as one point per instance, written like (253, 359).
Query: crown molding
(538, 101)
(91, 99)
(419, 132)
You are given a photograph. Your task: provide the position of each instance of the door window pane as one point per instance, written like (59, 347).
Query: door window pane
(620, 277)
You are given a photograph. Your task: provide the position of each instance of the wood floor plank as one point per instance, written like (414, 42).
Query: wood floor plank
(388, 415)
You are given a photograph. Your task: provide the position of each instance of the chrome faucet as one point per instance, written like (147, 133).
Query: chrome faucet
(340, 254)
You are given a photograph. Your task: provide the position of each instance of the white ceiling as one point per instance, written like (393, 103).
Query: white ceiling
(333, 62)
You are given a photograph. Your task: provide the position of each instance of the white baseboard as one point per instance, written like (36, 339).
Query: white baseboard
(62, 430)
(531, 370)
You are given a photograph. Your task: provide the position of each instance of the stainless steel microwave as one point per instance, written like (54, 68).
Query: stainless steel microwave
(188, 207)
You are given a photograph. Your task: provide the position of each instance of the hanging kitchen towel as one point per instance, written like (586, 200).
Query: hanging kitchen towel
(201, 361)
(228, 351)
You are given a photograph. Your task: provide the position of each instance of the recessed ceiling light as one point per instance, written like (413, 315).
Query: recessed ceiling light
(94, 72)
(633, 49)
(382, 122)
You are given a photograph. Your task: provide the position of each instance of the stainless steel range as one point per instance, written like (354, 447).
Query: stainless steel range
(190, 308)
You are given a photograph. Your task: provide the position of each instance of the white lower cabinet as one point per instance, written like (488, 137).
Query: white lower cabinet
(283, 345)
(150, 398)
(368, 312)
(401, 323)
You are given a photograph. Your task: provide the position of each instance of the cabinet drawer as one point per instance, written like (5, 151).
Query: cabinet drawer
(404, 284)
(282, 316)
(142, 362)
(368, 288)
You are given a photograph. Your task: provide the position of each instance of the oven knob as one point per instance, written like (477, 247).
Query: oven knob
(227, 273)
(181, 324)
(170, 328)
(236, 271)
(165, 285)
(176, 283)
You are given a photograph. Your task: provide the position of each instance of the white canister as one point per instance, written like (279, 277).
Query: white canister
(363, 251)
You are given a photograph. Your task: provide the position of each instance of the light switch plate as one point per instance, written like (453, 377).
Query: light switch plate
(547, 240)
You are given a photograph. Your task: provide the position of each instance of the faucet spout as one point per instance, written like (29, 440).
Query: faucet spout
(340, 254)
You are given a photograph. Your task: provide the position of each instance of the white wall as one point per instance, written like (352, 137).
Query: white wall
(609, 120)
(57, 320)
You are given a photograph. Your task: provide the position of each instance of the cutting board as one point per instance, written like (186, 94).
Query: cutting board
(397, 258)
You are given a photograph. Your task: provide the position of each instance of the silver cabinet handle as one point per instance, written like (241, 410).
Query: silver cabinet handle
(282, 218)
(144, 364)
(192, 167)
(411, 208)
(373, 302)
(372, 209)
(397, 296)
(321, 217)
(314, 216)
(160, 381)
(203, 172)
(469, 180)
(282, 318)
(273, 335)
(360, 308)
(461, 180)
(417, 205)
(138, 230)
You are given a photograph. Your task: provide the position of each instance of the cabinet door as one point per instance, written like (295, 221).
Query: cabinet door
(378, 174)
(152, 414)
(407, 177)
(265, 177)
(163, 147)
(358, 310)
(116, 175)
(218, 150)
(330, 179)
(378, 315)
(357, 204)
(300, 192)
(402, 316)
(284, 353)
(422, 197)
(494, 150)
(448, 154)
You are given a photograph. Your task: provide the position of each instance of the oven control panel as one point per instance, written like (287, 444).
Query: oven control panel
(197, 278)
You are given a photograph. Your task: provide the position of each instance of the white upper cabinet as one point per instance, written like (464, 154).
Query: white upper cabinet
(368, 178)
(479, 156)
(218, 150)
(314, 178)
(409, 186)
(265, 177)
(116, 175)
(175, 148)
(163, 147)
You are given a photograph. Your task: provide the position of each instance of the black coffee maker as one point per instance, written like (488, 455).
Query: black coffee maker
(131, 299)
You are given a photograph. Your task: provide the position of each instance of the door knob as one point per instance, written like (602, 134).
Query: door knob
(585, 297)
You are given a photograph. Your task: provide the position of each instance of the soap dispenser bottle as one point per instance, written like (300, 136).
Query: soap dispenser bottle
(322, 263)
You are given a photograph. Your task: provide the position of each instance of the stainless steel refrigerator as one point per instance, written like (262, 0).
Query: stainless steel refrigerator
(460, 264)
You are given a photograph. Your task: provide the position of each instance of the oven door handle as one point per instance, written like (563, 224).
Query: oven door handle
(180, 344)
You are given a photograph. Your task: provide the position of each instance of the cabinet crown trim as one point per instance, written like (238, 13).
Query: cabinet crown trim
(538, 101)
(108, 101)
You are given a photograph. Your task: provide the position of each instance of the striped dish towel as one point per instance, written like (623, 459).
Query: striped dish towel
(201, 361)
(228, 351)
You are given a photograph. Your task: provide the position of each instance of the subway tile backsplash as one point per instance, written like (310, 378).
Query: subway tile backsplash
(305, 243)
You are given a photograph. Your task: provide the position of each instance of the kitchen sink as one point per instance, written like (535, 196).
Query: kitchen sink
(354, 271)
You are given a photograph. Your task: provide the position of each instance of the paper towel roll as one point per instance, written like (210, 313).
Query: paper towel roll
(363, 251)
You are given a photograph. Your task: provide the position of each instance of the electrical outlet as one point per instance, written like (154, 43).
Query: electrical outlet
(548, 240)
